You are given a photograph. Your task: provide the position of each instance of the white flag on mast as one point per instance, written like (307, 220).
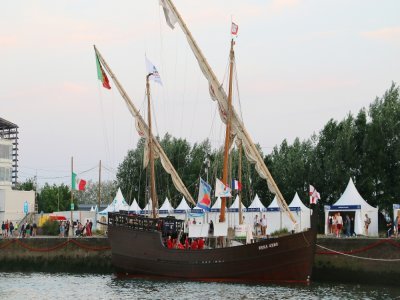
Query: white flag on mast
(221, 190)
(151, 69)
(170, 16)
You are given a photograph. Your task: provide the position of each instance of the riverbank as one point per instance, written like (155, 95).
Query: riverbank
(346, 260)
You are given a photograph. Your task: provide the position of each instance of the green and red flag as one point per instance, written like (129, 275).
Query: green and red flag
(77, 184)
(101, 75)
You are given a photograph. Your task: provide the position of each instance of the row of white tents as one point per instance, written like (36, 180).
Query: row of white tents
(350, 202)
(275, 218)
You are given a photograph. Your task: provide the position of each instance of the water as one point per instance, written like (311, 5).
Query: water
(72, 286)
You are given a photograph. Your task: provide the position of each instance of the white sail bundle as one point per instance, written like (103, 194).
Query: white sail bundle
(218, 94)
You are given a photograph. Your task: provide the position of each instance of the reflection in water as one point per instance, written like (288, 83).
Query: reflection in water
(89, 286)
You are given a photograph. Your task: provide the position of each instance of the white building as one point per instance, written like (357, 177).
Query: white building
(14, 205)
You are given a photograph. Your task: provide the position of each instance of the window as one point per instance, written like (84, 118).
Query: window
(5, 174)
(6, 151)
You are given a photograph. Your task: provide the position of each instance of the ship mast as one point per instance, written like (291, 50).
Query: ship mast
(240, 180)
(153, 194)
(227, 132)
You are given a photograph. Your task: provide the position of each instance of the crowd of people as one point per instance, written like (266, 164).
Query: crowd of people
(8, 229)
(78, 229)
(26, 230)
(185, 243)
(338, 226)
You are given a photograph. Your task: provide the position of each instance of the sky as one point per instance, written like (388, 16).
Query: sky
(299, 64)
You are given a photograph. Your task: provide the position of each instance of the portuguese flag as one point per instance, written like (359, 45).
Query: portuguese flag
(101, 75)
(77, 184)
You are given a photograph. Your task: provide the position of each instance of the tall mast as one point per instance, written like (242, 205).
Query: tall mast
(249, 147)
(227, 133)
(99, 191)
(151, 154)
(240, 180)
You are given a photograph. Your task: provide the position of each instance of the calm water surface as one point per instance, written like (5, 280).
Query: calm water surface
(72, 286)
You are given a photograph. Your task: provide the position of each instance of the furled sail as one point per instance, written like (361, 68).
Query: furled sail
(143, 130)
(217, 93)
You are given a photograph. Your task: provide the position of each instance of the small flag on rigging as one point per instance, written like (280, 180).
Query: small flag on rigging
(101, 75)
(314, 195)
(221, 190)
(236, 185)
(151, 69)
(234, 29)
(204, 199)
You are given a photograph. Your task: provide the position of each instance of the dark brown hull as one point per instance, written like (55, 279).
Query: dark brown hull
(286, 259)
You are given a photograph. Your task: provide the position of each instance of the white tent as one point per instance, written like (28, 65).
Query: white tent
(301, 213)
(256, 205)
(233, 210)
(351, 201)
(118, 204)
(148, 209)
(135, 207)
(166, 207)
(182, 208)
(274, 217)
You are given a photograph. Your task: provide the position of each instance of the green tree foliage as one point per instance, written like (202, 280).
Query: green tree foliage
(55, 198)
(365, 148)
(91, 193)
(28, 185)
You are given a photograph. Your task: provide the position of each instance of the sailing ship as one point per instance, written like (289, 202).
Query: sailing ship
(137, 241)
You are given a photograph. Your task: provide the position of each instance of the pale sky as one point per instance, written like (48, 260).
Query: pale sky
(299, 63)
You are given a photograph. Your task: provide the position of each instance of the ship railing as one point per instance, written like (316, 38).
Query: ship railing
(167, 225)
(133, 221)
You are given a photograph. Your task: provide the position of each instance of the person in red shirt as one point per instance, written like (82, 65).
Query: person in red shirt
(194, 245)
(187, 246)
(180, 246)
(201, 244)
(169, 243)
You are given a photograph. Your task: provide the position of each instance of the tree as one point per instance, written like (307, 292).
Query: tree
(55, 198)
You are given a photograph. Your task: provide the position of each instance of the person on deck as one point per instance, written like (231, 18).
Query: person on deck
(256, 225)
(200, 243)
(194, 245)
(263, 225)
(211, 228)
(169, 243)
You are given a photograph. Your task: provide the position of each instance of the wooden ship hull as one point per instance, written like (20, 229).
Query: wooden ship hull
(284, 259)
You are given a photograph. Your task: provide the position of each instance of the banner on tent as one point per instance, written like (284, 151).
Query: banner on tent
(396, 206)
(179, 211)
(273, 209)
(236, 209)
(344, 207)
(256, 209)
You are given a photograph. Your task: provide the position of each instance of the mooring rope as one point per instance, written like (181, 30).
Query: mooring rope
(347, 253)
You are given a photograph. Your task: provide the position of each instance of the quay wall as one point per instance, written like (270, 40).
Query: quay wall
(357, 260)
(346, 260)
(40, 254)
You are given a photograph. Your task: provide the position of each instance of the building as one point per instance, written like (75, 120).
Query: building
(14, 205)
(9, 150)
